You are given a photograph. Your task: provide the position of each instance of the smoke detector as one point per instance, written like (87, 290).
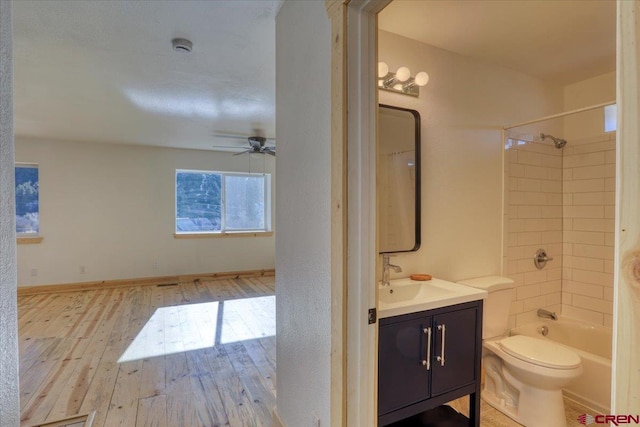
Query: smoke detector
(182, 45)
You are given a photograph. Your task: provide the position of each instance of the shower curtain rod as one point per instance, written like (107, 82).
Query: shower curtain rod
(555, 116)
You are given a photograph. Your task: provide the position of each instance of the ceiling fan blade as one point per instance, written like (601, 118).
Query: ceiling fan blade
(244, 152)
(237, 147)
(268, 150)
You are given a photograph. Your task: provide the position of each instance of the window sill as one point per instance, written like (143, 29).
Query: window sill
(29, 240)
(218, 235)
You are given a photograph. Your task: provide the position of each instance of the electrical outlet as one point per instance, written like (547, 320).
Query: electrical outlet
(155, 264)
(315, 420)
(82, 269)
(34, 272)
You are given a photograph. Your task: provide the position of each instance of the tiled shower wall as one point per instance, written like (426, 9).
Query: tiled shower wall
(533, 220)
(561, 201)
(588, 204)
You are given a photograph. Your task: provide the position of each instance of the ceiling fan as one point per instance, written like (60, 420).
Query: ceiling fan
(256, 144)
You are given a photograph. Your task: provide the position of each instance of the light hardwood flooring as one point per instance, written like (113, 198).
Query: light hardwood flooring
(200, 353)
(491, 417)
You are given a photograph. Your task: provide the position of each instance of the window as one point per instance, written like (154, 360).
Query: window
(610, 118)
(222, 202)
(27, 200)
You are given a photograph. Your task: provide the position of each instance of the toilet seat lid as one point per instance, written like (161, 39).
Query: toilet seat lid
(540, 352)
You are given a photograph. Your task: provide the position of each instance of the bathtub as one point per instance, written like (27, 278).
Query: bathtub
(593, 344)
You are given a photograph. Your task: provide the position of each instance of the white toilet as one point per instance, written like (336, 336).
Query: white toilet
(524, 376)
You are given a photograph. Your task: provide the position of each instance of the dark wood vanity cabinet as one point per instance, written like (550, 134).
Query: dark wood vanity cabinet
(429, 358)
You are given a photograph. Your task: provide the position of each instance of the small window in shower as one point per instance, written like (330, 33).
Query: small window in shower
(610, 118)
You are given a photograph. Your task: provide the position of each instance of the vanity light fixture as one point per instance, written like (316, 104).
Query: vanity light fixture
(401, 81)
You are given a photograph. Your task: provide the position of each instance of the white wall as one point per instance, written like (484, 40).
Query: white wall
(303, 287)
(111, 209)
(9, 403)
(463, 109)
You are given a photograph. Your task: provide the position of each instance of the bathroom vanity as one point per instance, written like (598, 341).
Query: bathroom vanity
(429, 347)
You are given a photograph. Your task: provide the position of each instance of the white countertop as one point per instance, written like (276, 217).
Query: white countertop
(404, 296)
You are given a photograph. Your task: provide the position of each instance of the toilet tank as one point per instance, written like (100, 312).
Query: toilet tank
(495, 319)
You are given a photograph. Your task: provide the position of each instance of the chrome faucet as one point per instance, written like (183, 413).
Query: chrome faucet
(385, 269)
(547, 314)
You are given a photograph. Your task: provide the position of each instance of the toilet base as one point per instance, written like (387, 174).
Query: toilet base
(535, 408)
(528, 393)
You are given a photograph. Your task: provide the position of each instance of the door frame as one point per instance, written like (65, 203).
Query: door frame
(362, 101)
(625, 375)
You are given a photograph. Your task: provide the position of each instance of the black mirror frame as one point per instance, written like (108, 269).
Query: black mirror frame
(418, 169)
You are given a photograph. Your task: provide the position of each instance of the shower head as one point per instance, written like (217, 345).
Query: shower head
(558, 142)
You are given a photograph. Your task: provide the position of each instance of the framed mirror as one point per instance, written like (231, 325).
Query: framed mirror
(398, 184)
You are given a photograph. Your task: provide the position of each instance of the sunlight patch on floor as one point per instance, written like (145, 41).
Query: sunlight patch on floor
(197, 326)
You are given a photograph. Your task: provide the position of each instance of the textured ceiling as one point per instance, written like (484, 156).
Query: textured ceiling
(559, 41)
(105, 71)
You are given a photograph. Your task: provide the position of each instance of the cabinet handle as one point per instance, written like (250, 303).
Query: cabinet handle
(440, 358)
(427, 362)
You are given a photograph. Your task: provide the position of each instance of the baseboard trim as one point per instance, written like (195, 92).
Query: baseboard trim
(141, 281)
(277, 422)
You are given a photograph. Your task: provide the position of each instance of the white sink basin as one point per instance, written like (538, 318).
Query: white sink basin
(412, 291)
(404, 296)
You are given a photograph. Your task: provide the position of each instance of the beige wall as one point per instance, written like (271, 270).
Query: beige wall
(463, 109)
(592, 91)
(111, 209)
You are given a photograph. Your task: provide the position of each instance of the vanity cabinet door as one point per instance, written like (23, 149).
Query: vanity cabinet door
(403, 377)
(455, 349)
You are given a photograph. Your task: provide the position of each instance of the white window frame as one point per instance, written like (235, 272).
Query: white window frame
(223, 223)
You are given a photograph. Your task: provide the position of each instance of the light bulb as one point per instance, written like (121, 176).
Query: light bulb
(383, 69)
(403, 74)
(422, 78)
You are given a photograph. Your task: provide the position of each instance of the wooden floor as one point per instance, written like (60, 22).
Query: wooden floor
(195, 354)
